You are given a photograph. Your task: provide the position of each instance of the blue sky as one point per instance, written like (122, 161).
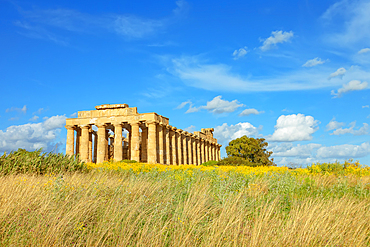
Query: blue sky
(293, 72)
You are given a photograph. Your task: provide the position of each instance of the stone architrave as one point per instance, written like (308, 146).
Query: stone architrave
(184, 149)
(118, 152)
(168, 145)
(174, 145)
(152, 142)
(84, 149)
(135, 141)
(70, 140)
(101, 143)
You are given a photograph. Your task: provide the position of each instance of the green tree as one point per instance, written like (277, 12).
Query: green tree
(251, 149)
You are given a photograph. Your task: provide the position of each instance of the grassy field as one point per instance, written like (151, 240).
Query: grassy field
(132, 204)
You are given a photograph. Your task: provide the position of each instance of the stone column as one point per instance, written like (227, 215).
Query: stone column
(70, 140)
(160, 144)
(206, 150)
(95, 146)
(202, 150)
(90, 145)
(78, 140)
(197, 143)
(190, 149)
(106, 158)
(84, 143)
(179, 147)
(213, 151)
(174, 144)
(144, 144)
(184, 149)
(118, 142)
(101, 143)
(152, 142)
(194, 151)
(168, 144)
(219, 152)
(135, 141)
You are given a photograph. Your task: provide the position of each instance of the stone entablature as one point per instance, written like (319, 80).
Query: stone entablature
(149, 138)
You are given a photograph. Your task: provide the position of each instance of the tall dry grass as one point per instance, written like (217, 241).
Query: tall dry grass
(112, 209)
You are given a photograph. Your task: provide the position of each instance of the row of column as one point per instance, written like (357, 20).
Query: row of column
(156, 143)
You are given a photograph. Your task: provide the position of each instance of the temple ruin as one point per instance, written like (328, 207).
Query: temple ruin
(123, 133)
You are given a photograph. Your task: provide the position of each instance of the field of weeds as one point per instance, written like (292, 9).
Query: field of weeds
(133, 204)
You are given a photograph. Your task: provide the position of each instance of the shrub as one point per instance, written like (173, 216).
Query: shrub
(236, 161)
(36, 162)
(210, 163)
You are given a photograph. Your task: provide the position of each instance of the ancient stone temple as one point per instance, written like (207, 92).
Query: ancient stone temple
(119, 132)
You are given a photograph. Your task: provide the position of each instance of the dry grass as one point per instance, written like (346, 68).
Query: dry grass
(127, 209)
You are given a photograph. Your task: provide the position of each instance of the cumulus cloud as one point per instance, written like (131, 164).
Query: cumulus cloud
(276, 38)
(364, 130)
(353, 85)
(334, 125)
(190, 129)
(22, 110)
(31, 136)
(250, 111)
(300, 151)
(191, 108)
(294, 128)
(365, 50)
(218, 105)
(313, 62)
(183, 104)
(240, 53)
(365, 106)
(345, 151)
(339, 73)
(225, 133)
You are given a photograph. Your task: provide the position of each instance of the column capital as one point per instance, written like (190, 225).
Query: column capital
(117, 124)
(101, 125)
(134, 123)
(173, 128)
(70, 127)
(179, 131)
(151, 122)
(86, 126)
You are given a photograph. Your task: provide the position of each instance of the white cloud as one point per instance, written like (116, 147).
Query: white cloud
(313, 62)
(224, 133)
(364, 130)
(334, 125)
(250, 111)
(301, 151)
(190, 129)
(22, 110)
(345, 151)
(34, 118)
(365, 106)
(353, 85)
(365, 50)
(240, 53)
(276, 38)
(339, 73)
(294, 128)
(183, 104)
(73, 114)
(220, 77)
(218, 105)
(352, 18)
(31, 136)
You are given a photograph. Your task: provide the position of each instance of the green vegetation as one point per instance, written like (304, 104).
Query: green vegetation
(36, 162)
(252, 150)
